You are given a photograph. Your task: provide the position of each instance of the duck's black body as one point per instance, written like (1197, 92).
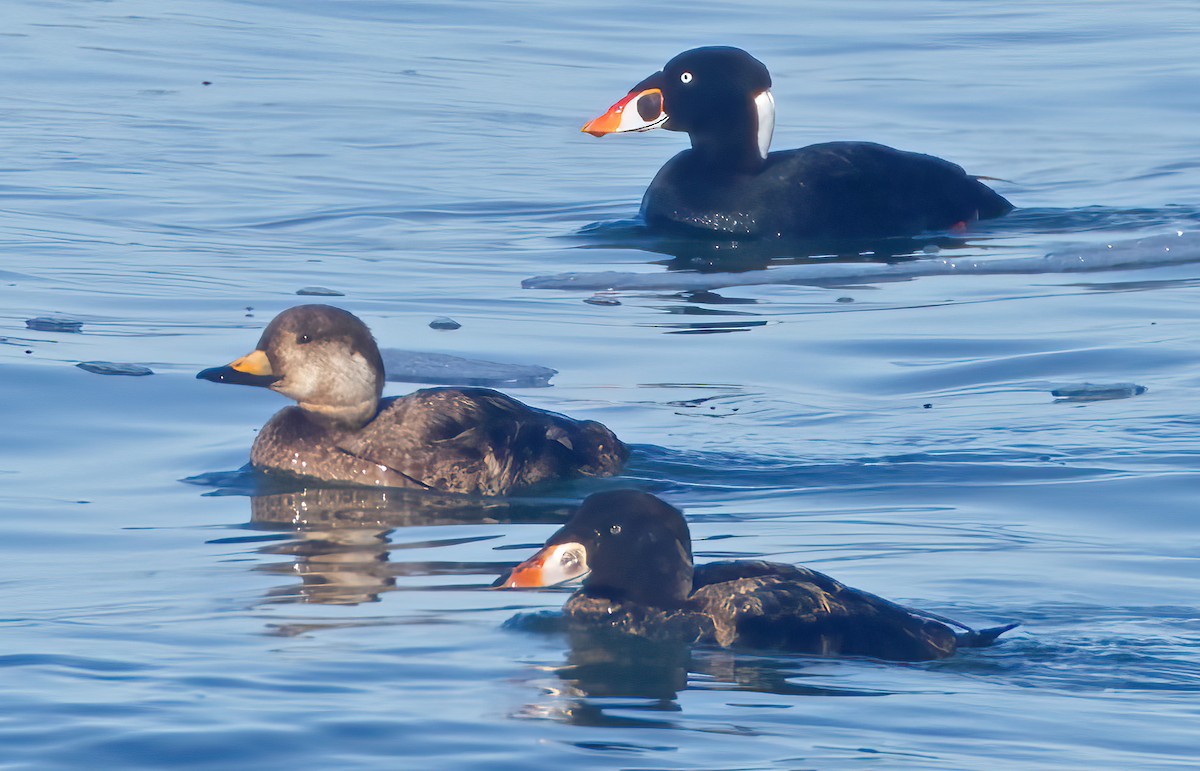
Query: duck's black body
(460, 440)
(633, 551)
(728, 183)
(835, 190)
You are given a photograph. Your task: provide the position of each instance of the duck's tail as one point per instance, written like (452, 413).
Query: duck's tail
(981, 638)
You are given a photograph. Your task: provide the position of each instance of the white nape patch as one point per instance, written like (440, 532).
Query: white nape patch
(764, 105)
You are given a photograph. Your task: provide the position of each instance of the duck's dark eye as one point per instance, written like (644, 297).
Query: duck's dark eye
(302, 339)
(615, 530)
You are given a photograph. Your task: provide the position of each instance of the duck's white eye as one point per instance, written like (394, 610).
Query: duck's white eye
(686, 77)
(615, 530)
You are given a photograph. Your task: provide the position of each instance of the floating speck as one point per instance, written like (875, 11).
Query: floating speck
(320, 291)
(48, 324)
(114, 368)
(845, 299)
(444, 322)
(928, 406)
(603, 298)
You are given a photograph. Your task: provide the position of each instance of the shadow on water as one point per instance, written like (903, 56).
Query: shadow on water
(613, 681)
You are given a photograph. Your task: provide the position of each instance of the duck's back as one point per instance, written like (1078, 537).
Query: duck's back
(769, 605)
(835, 190)
(463, 440)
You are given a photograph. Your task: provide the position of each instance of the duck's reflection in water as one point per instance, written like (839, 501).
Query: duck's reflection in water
(339, 540)
(690, 251)
(611, 680)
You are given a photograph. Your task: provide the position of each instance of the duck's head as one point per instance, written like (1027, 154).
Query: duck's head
(321, 356)
(625, 545)
(720, 96)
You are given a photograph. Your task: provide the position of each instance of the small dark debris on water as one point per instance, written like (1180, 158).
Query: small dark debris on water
(603, 298)
(206, 82)
(845, 299)
(444, 322)
(1094, 392)
(709, 297)
(320, 291)
(928, 405)
(50, 324)
(114, 368)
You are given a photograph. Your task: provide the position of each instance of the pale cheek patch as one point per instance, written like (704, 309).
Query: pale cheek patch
(326, 376)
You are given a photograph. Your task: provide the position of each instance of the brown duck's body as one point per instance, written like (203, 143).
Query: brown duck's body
(461, 440)
(765, 605)
(458, 440)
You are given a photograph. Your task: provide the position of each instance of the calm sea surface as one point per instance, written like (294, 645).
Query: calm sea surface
(174, 172)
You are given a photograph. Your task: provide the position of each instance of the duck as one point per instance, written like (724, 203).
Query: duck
(729, 184)
(632, 551)
(450, 439)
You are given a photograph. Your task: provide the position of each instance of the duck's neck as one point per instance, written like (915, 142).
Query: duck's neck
(658, 579)
(741, 140)
(343, 416)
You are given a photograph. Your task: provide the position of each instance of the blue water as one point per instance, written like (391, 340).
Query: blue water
(424, 160)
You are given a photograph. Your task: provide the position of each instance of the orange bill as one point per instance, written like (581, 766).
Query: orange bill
(640, 110)
(556, 564)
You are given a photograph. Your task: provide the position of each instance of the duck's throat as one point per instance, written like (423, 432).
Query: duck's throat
(740, 143)
(346, 416)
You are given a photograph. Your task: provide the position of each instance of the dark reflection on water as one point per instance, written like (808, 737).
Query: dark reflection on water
(721, 255)
(611, 681)
(336, 540)
(712, 254)
(329, 508)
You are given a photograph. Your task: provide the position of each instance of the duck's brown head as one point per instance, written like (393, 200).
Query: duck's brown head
(322, 357)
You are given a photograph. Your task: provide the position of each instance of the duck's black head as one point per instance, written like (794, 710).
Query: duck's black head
(626, 545)
(321, 356)
(719, 95)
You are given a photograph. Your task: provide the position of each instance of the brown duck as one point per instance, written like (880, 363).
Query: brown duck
(461, 440)
(633, 553)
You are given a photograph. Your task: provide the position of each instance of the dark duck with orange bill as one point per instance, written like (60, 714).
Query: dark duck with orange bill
(633, 553)
(460, 440)
(729, 184)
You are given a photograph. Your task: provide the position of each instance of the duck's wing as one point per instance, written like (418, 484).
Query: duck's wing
(863, 188)
(480, 440)
(770, 605)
